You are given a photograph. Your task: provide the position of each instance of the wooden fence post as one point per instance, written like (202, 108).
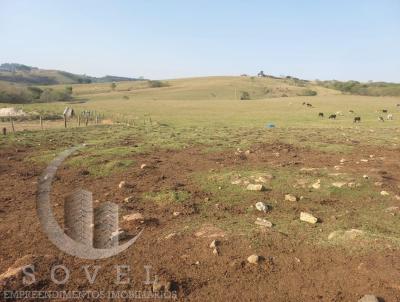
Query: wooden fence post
(79, 120)
(87, 120)
(97, 119)
(65, 121)
(41, 122)
(12, 124)
(4, 131)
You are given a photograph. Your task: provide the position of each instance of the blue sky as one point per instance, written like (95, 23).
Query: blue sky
(343, 40)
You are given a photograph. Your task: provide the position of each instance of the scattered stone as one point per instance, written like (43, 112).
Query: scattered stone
(118, 235)
(263, 222)
(143, 166)
(317, 185)
(255, 187)
(176, 214)
(337, 168)
(169, 236)
(300, 183)
(247, 152)
(365, 176)
(378, 184)
(253, 259)
(214, 244)
(338, 184)
(129, 199)
(307, 217)
(364, 160)
(161, 286)
(342, 161)
(133, 217)
(397, 197)
(262, 207)
(384, 193)
(290, 197)
(236, 182)
(15, 271)
(122, 184)
(369, 298)
(215, 251)
(263, 179)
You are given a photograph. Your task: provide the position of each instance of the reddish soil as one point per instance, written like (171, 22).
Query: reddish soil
(291, 270)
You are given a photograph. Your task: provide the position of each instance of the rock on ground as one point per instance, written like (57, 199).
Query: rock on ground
(290, 197)
(263, 222)
(255, 187)
(253, 259)
(161, 286)
(214, 244)
(316, 185)
(307, 217)
(129, 199)
(262, 207)
(369, 298)
(133, 217)
(338, 184)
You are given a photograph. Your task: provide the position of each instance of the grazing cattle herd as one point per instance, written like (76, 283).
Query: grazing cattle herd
(357, 119)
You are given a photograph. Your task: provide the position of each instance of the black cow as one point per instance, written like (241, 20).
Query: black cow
(309, 105)
(384, 111)
(332, 116)
(381, 119)
(357, 119)
(321, 114)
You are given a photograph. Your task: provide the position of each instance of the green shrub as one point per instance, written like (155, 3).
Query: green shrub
(245, 95)
(309, 92)
(157, 84)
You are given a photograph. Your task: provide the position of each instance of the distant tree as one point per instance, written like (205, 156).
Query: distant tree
(113, 85)
(51, 95)
(245, 95)
(68, 90)
(309, 92)
(157, 84)
(36, 92)
(261, 74)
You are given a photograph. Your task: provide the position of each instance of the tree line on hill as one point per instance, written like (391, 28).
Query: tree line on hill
(31, 94)
(370, 88)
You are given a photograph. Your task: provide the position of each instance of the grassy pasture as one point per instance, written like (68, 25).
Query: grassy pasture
(214, 102)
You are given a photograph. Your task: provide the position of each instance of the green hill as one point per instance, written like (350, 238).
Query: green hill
(23, 74)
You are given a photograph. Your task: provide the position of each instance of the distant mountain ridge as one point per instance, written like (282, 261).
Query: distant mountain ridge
(24, 74)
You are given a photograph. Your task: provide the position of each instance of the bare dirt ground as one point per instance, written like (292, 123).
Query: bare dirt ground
(292, 268)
